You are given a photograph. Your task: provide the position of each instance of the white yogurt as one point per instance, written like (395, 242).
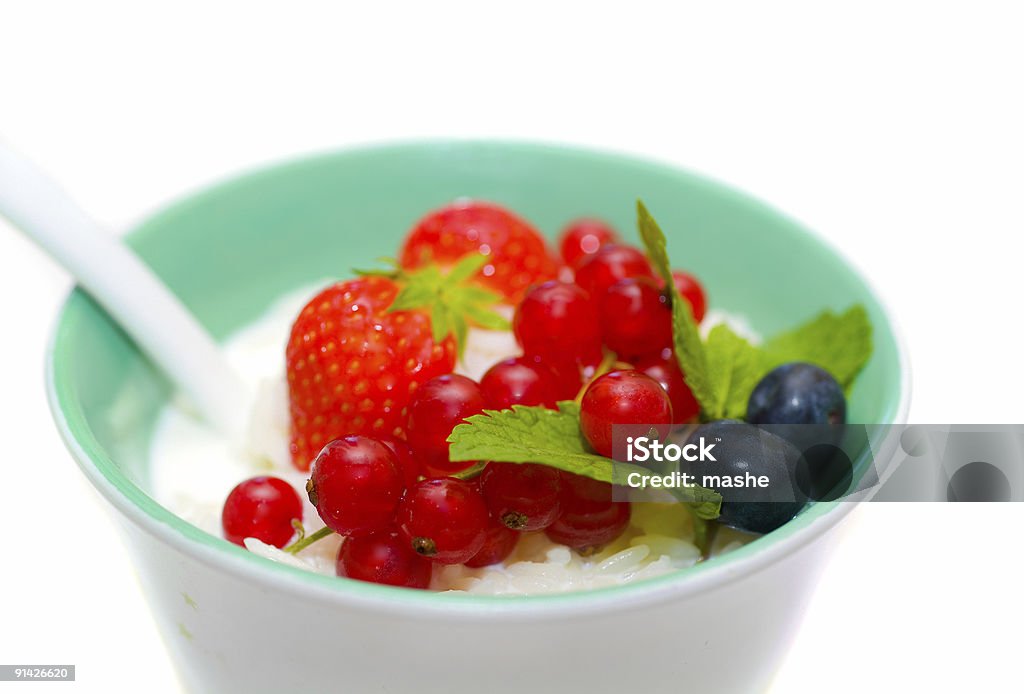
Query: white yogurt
(194, 468)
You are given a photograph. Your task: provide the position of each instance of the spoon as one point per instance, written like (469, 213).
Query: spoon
(127, 288)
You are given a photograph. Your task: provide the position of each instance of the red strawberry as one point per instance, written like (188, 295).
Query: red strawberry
(360, 348)
(352, 366)
(517, 254)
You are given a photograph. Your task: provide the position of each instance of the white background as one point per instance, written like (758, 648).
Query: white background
(895, 129)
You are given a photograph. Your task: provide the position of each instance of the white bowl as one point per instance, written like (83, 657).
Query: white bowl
(237, 622)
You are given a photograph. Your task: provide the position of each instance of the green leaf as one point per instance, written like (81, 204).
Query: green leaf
(528, 435)
(839, 343)
(654, 241)
(552, 437)
(686, 338)
(723, 371)
(736, 366)
(569, 407)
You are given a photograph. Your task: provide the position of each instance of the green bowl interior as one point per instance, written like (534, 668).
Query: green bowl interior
(229, 251)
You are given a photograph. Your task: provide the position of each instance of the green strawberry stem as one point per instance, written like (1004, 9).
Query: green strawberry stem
(452, 298)
(304, 542)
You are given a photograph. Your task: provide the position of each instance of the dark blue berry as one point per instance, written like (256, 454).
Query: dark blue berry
(800, 402)
(740, 448)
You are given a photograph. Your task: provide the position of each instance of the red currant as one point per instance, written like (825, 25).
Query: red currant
(499, 542)
(355, 484)
(690, 289)
(520, 381)
(406, 460)
(664, 368)
(261, 507)
(436, 408)
(635, 318)
(557, 323)
(569, 377)
(620, 399)
(582, 239)
(609, 265)
(385, 558)
(444, 520)
(590, 518)
(522, 496)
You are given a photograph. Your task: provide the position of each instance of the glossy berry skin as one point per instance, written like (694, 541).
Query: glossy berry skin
(589, 517)
(355, 484)
(261, 507)
(557, 323)
(517, 254)
(352, 366)
(636, 319)
(444, 519)
(582, 238)
(436, 408)
(406, 459)
(623, 398)
(803, 403)
(691, 290)
(499, 542)
(609, 265)
(569, 377)
(664, 368)
(741, 448)
(522, 496)
(520, 381)
(797, 393)
(385, 558)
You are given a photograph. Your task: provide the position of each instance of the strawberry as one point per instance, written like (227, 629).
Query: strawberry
(360, 348)
(517, 254)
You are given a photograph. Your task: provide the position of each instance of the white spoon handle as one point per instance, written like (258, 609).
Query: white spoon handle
(121, 283)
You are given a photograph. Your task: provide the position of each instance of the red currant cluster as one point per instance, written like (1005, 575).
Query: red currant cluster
(396, 532)
(615, 303)
(396, 501)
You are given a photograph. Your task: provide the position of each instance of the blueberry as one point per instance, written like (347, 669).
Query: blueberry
(800, 402)
(740, 448)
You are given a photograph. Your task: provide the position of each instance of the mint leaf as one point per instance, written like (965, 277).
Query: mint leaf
(529, 435)
(839, 343)
(723, 371)
(736, 366)
(654, 241)
(569, 407)
(552, 437)
(686, 338)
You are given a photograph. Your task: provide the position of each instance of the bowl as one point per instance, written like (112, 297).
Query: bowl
(236, 622)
